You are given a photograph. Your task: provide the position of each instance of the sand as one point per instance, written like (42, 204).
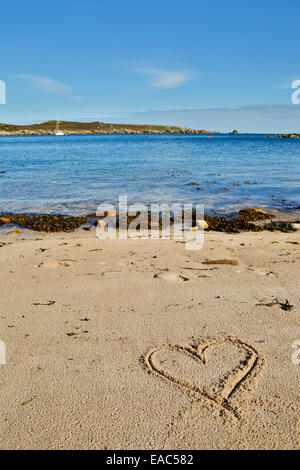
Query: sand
(132, 344)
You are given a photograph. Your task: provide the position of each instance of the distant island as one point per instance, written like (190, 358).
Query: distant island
(285, 136)
(69, 128)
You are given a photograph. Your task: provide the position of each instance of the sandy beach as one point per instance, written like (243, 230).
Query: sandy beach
(128, 344)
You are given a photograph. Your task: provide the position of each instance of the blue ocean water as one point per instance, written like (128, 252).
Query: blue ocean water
(73, 174)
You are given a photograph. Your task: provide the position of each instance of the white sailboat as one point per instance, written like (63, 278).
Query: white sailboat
(57, 131)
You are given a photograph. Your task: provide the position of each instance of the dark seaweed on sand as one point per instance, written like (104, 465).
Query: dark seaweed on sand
(47, 222)
(244, 220)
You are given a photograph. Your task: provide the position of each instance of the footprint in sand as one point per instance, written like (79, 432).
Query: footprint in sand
(170, 276)
(213, 370)
(57, 264)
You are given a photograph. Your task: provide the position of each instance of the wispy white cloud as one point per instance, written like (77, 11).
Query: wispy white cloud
(49, 85)
(164, 79)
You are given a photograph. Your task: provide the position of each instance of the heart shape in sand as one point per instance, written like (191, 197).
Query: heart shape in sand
(213, 370)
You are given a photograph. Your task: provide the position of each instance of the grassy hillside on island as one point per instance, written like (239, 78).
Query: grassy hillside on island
(68, 127)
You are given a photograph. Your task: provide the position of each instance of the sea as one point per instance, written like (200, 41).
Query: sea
(72, 175)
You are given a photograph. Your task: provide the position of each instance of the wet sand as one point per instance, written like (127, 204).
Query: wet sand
(144, 345)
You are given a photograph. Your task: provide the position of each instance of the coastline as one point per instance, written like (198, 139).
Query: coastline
(77, 371)
(285, 136)
(95, 128)
(251, 219)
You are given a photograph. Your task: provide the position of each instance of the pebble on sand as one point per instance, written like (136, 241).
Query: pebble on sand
(4, 220)
(202, 224)
(101, 223)
(112, 214)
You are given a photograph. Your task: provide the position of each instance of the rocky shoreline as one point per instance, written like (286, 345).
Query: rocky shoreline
(81, 128)
(250, 219)
(285, 136)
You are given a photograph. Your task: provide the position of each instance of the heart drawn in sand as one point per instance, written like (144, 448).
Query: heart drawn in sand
(213, 370)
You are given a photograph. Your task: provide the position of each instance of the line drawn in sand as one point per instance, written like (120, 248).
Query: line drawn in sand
(217, 370)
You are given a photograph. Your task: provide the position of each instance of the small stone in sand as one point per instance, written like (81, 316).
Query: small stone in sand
(101, 223)
(202, 224)
(4, 220)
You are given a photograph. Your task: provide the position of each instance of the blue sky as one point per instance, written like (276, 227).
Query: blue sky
(207, 64)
